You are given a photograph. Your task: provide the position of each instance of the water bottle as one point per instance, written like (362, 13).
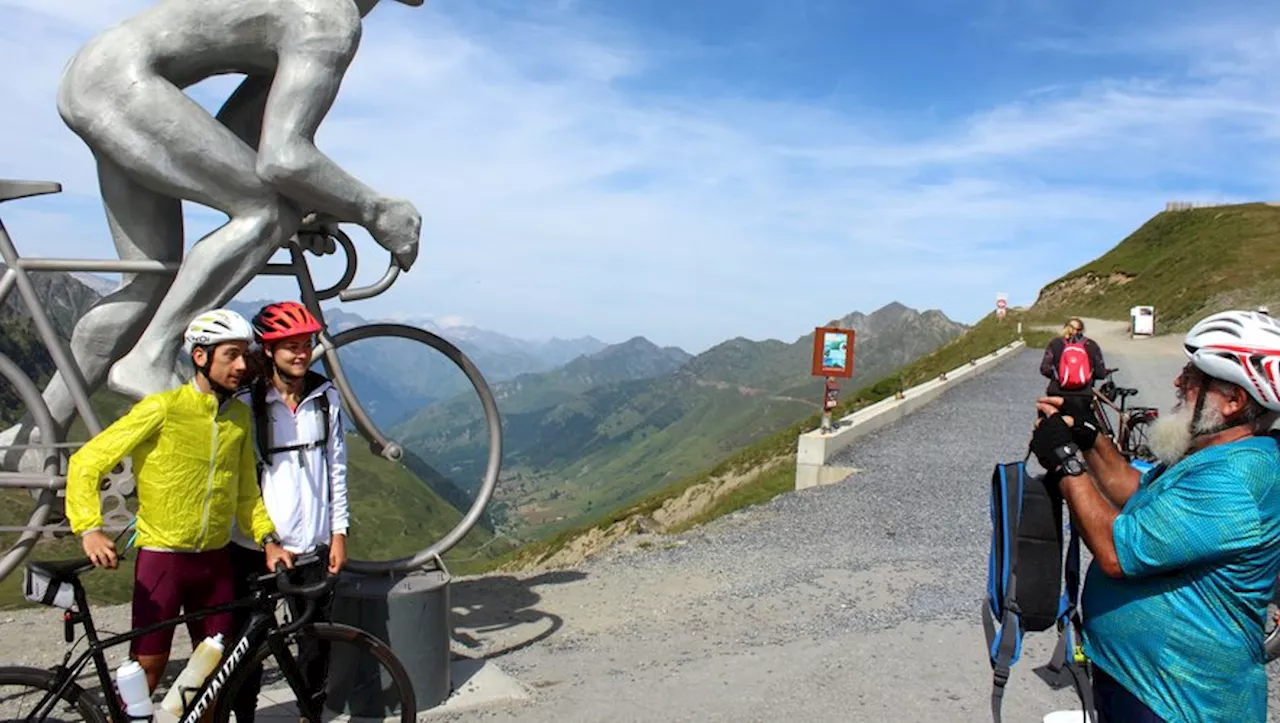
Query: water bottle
(131, 681)
(202, 663)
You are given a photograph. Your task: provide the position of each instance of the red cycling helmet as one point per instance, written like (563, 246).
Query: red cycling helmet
(284, 319)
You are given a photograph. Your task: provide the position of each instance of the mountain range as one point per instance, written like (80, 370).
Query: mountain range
(608, 428)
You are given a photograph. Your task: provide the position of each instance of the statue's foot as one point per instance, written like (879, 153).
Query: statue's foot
(135, 378)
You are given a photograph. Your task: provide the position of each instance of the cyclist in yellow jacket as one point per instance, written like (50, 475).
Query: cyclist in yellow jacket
(193, 459)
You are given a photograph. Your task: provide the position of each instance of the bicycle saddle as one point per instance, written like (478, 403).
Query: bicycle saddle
(1126, 391)
(13, 190)
(61, 569)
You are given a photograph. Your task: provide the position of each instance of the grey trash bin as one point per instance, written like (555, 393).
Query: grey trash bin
(408, 611)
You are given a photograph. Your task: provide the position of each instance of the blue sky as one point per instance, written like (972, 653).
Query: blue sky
(698, 170)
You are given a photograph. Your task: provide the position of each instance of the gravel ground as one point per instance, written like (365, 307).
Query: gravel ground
(854, 601)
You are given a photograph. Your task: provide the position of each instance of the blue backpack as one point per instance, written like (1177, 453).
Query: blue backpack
(1030, 585)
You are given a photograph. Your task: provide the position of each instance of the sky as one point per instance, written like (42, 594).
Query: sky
(697, 170)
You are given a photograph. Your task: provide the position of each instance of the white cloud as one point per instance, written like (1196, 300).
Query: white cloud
(557, 202)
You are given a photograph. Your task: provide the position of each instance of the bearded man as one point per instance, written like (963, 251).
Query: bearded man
(1186, 555)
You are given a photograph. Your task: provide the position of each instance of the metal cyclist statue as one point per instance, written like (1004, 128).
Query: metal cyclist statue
(256, 161)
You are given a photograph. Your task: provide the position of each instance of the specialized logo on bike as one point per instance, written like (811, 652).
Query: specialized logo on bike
(219, 679)
(1074, 369)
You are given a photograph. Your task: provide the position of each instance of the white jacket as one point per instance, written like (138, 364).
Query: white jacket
(305, 491)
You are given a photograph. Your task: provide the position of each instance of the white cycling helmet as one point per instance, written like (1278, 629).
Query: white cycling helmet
(215, 327)
(1241, 347)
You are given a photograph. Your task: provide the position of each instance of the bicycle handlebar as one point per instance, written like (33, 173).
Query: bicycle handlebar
(377, 287)
(310, 591)
(340, 289)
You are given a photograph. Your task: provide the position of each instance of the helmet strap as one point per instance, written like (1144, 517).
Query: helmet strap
(1195, 416)
(219, 391)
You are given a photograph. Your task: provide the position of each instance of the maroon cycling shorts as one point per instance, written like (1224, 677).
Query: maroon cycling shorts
(169, 584)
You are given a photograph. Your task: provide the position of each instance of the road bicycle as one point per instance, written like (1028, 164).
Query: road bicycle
(52, 449)
(1131, 430)
(55, 691)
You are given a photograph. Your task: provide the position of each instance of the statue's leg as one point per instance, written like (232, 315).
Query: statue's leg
(144, 225)
(167, 141)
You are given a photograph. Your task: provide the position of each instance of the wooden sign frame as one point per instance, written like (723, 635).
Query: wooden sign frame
(822, 366)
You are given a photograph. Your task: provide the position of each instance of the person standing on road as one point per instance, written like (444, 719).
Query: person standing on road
(303, 461)
(1073, 362)
(196, 479)
(1186, 555)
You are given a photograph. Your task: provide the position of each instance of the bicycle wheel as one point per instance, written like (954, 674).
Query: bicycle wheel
(375, 682)
(14, 705)
(391, 450)
(45, 498)
(1137, 438)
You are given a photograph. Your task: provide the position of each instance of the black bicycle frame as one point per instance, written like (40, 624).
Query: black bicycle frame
(259, 622)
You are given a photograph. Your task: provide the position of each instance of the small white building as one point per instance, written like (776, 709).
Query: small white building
(1142, 321)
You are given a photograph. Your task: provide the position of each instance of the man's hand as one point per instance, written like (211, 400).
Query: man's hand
(316, 234)
(1051, 435)
(100, 549)
(1084, 434)
(277, 554)
(337, 553)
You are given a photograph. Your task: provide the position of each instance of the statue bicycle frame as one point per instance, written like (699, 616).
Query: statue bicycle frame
(119, 485)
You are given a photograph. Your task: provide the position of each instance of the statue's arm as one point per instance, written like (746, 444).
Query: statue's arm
(306, 84)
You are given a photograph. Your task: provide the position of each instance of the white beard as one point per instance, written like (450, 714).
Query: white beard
(1171, 435)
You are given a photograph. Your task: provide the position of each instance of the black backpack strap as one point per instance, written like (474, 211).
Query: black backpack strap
(323, 402)
(261, 422)
(1004, 646)
(1068, 653)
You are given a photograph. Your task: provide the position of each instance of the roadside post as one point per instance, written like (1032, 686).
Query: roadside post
(832, 360)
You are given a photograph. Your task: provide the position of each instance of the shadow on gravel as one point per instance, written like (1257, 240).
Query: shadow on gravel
(503, 602)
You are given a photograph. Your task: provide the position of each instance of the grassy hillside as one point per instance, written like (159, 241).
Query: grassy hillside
(981, 339)
(1185, 263)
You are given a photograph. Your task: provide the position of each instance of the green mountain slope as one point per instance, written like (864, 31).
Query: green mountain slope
(1185, 263)
(618, 441)
(769, 462)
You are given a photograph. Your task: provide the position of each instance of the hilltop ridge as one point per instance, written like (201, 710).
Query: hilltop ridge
(1187, 263)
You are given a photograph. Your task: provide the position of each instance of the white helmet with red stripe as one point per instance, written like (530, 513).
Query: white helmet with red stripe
(1241, 347)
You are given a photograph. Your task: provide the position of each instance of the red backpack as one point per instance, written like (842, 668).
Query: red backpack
(1074, 369)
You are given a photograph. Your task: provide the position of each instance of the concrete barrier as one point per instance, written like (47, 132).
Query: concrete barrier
(814, 450)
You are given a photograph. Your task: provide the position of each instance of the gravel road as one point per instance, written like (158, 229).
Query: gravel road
(854, 601)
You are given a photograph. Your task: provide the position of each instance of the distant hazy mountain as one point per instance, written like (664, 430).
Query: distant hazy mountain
(545, 354)
(578, 438)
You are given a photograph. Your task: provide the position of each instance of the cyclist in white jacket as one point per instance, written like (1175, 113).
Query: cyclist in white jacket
(302, 469)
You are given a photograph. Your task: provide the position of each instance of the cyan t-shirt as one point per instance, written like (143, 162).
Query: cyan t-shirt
(1199, 545)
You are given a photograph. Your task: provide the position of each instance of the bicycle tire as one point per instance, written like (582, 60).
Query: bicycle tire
(46, 681)
(1137, 437)
(493, 423)
(34, 404)
(334, 633)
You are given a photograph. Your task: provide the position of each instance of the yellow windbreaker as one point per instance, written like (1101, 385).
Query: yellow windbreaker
(195, 470)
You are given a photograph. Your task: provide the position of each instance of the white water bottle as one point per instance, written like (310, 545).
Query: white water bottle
(131, 681)
(202, 663)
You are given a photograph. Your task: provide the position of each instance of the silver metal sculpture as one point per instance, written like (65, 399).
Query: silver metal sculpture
(256, 162)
